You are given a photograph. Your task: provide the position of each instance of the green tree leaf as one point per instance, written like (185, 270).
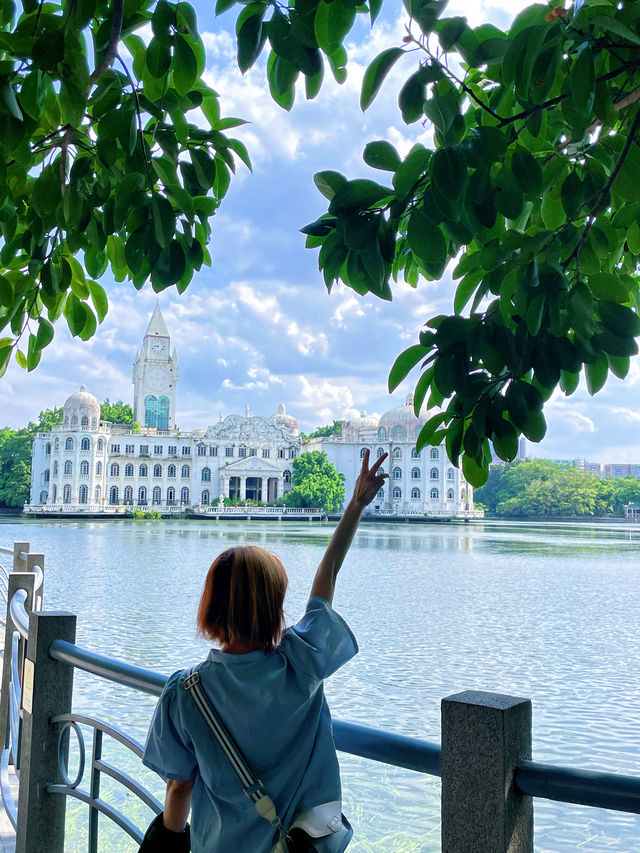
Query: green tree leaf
(375, 74)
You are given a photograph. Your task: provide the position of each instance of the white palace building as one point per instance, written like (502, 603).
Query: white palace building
(90, 466)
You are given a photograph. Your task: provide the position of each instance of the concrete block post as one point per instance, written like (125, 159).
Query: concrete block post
(18, 549)
(41, 815)
(17, 580)
(483, 737)
(34, 560)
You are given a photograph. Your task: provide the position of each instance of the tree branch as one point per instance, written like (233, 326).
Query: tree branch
(114, 38)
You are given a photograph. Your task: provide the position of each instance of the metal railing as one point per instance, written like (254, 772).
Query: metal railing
(521, 777)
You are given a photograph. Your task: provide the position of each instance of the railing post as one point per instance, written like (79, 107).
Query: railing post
(34, 560)
(41, 815)
(483, 737)
(18, 549)
(17, 580)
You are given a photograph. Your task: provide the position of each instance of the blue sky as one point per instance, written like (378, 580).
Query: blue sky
(258, 327)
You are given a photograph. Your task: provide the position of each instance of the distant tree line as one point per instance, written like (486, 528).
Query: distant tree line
(15, 449)
(321, 432)
(542, 488)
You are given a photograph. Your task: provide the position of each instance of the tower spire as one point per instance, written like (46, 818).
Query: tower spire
(157, 326)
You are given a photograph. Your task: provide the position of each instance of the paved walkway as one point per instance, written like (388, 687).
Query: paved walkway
(7, 834)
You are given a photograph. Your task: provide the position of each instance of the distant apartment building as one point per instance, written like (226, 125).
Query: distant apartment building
(625, 469)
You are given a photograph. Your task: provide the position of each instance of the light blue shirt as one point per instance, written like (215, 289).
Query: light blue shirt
(274, 707)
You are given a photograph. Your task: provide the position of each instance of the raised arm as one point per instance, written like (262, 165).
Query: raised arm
(366, 488)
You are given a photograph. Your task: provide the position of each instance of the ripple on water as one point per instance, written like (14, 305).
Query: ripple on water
(544, 611)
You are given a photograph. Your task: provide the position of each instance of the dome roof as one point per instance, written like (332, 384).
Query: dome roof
(402, 416)
(363, 422)
(284, 420)
(81, 404)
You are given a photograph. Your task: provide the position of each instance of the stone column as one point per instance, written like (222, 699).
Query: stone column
(483, 737)
(243, 488)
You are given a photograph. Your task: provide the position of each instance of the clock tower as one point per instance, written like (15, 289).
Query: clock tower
(155, 375)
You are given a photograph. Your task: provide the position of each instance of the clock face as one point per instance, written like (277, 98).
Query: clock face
(158, 346)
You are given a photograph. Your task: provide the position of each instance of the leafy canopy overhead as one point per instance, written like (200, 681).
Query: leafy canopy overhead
(114, 156)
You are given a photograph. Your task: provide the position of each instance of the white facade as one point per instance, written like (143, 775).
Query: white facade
(424, 483)
(89, 465)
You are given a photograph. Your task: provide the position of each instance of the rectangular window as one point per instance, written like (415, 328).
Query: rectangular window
(115, 448)
(144, 450)
(280, 453)
(157, 450)
(252, 451)
(129, 448)
(172, 450)
(213, 451)
(202, 450)
(228, 451)
(265, 454)
(242, 452)
(186, 451)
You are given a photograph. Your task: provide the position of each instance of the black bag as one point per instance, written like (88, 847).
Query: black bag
(159, 839)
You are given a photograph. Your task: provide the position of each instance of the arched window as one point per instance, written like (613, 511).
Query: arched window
(435, 494)
(157, 470)
(46, 476)
(451, 475)
(128, 494)
(206, 475)
(398, 432)
(415, 474)
(98, 469)
(43, 497)
(143, 471)
(382, 433)
(100, 444)
(97, 495)
(68, 445)
(84, 423)
(397, 453)
(184, 495)
(66, 494)
(115, 469)
(83, 494)
(85, 444)
(163, 412)
(205, 498)
(48, 449)
(287, 476)
(142, 495)
(156, 495)
(94, 423)
(381, 494)
(55, 467)
(415, 494)
(128, 469)
(414, 453)
(450, 494)
(171, 495)
(68, 467)
(380, 452)
(397, 492)
(397, 473)
(434, 474)
(74, 422)
(186, 471)
(171, 471)
(150, 411)
(84, 468)
(363, 450)
(435, 453)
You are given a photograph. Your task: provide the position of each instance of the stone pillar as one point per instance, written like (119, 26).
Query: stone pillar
(483, 737)
(17, 580)
(41, 815)
(243, 488)
(19, 562)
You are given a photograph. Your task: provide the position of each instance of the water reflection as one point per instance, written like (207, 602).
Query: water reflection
(541, 610)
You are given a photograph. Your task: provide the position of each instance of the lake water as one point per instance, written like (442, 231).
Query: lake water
(549, 612)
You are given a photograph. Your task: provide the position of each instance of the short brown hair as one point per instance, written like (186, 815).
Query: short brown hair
(243, 597)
